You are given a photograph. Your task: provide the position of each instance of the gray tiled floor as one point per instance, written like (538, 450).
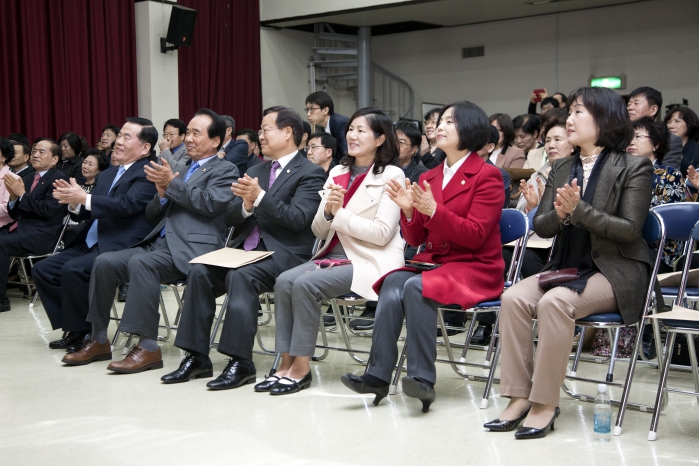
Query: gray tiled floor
(51, 414)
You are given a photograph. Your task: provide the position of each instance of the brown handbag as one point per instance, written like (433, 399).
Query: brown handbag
(558, 276)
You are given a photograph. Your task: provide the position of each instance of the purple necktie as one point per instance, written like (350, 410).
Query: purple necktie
(253, 238)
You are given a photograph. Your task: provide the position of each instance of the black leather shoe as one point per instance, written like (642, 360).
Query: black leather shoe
(364, 321)
(496, 425)
(525, 433)
(280, 388)
(482, 335)
(123, 291)
(78, 345)
(235, 375)
(190, 368)
(5, 305)
(356, 384)
(649, 348)
(452, 329)
(267, 384)
(68, 339)
(415, 388)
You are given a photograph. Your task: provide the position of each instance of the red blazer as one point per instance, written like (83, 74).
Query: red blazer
(463, 235)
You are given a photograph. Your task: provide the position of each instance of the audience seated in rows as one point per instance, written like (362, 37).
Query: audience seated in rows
(172, 146)
(321, 150)
(320, 111)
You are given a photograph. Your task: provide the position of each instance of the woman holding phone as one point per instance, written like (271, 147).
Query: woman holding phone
(359, 225)
(455, 210)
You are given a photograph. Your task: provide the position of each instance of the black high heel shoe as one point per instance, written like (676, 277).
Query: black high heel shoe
(415, 388)
(356, 384)
(496, 425)
(526, 433)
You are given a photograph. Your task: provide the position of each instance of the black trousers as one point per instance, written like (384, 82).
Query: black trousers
(63, 283)
(9, 246)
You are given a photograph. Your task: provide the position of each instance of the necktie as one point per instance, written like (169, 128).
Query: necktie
(253, 238)
(190, 172)
(91, 238)
(37, 177)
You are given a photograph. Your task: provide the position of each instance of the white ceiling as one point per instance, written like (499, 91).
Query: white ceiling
(448, 12)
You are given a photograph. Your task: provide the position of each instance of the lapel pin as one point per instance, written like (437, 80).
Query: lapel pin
(463, 182)
(288, 171)
(204, 170)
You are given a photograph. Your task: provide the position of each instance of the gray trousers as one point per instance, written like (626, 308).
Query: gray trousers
(401, 296)
(144, 268)
(297, 304)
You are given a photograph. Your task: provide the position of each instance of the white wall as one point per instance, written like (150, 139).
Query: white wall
(653, 43)
(275, 9)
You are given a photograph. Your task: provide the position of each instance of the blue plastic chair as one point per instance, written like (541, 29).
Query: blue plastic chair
(653, 231)
(673, 327)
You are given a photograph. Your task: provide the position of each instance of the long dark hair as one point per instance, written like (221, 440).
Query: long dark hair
(380, 123)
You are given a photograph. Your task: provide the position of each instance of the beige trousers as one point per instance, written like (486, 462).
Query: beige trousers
(556, 311)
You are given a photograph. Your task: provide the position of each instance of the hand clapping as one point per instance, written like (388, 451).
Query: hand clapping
(567, 198)
(336, 199)
(15, 186)
(160, 175)
(402, 196)
(247, 189)
(69, 192)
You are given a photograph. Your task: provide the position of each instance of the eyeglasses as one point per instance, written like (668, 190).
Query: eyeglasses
(404, 143)
(641, 137)
(264, 131)
(170, 135)
(313, 147)
(324, 264)
(311, 109)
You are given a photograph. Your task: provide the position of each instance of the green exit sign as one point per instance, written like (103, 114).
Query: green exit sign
(610, 82)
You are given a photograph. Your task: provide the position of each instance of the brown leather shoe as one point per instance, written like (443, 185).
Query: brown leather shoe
(92, 351)
(138, 360)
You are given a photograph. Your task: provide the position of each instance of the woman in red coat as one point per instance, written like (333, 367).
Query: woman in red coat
(455, 211)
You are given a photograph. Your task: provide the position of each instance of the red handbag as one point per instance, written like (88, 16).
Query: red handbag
(558, 276)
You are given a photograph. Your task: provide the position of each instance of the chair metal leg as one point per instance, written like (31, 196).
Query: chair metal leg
(669, 345)
(217, 322)
(125, 350)
(393, 389)
(26, 276)
(180, 303)
(491, 377)
(341, 323)
(35, 296)
(612, 358)
(324, 339)
(623, 401)
(491, 346)
(165, 319)
(275, 364)
(578, 352)
(469, 334)
(693, 361)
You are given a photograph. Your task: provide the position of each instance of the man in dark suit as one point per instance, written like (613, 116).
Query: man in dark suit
(39, 217)
(116, 209)
(320, 111)
(189, 214)
(172, 147)
(233, 150)
(274, 206)
(20, 162)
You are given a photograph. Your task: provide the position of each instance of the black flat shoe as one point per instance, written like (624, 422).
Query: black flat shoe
(70, 338)
(190, 368)
(267, 384)
(235, 375)
(415, 388)
(280, 388)
(526, 433)
(356, 384)
(75, 347)
(482, 335)
(497, 425)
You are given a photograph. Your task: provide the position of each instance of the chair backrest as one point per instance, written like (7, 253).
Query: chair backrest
(653, 230)
(514, 226)
(60, 237)
(689, 250)
(679, 219)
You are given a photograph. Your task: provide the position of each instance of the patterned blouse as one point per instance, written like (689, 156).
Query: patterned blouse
(668, 187)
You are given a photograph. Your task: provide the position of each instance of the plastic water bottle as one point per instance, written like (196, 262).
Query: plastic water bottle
(603, 415)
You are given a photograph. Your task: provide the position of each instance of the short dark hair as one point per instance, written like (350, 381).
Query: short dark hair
(252, 135)
(73, 141)
(230, 122)
(148, 133)
(563, 97)
(286, 117)
(550, 100)
(690, 119)
(508, 130)
(553, 118)
(306, 129)
(380, 124)
(609, 113)
(326, 140)
(217, 128)
(529, 123)
(176, 123)
(102, 162)
(493, 136)
(471, 124)
(431, 112)
(7, 149)
(653, 96)
(25, 147)
(113, 129)
(54, 147)
(19, 137)
(658, 133)
(323, 100)
(410, 131)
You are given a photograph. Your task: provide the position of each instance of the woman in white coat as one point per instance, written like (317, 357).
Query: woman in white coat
(359, 225)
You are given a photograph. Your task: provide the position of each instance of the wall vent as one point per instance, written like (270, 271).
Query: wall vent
(470, 52)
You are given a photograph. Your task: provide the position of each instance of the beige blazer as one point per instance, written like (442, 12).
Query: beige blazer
(368, 229)
(512, 158)
(535, 158)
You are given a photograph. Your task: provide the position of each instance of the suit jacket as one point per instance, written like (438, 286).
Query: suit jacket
(615, 221)
(463, 235)
(434, 159)
(673, 158)
(27, 174)
(338, 129)
(690, 156)
(237, 154)
(177, 160)
(511, 157)
(121, 211)
(367, 229)
(285, 212)
(194, 215)
(40, 216)
(72, 167)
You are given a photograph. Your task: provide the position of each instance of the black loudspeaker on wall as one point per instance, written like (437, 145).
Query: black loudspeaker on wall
(180, 29)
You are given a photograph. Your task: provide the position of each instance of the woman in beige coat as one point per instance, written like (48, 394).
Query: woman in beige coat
(358, 223)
